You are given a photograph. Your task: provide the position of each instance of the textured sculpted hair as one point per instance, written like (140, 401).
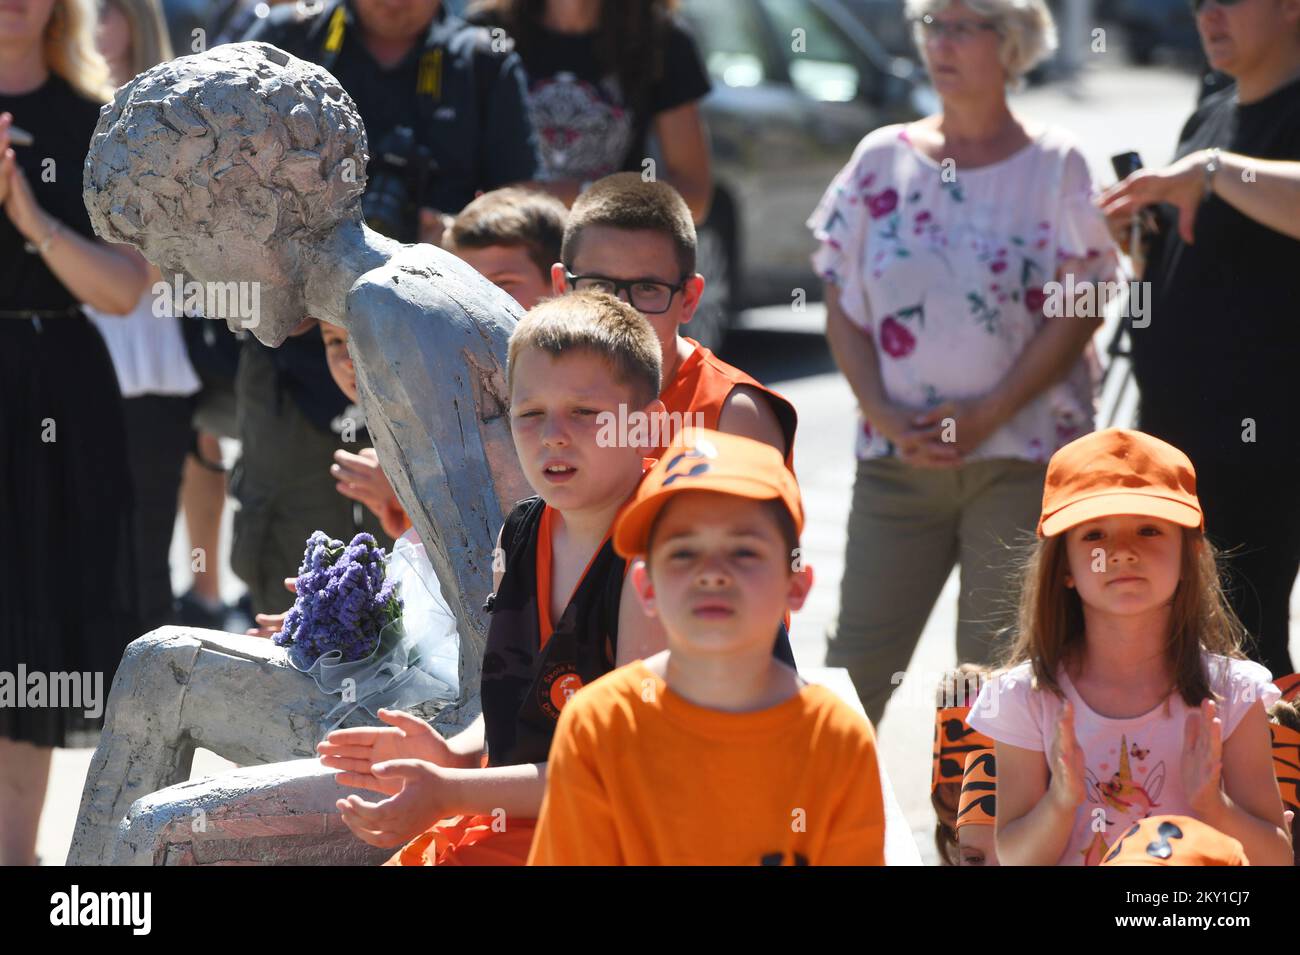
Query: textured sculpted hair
(1026, 27)
(513, 217)
(626, 201)
(243, 138)
(597, 323)
(70, 52)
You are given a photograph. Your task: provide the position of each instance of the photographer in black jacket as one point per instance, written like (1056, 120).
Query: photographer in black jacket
(444, 108)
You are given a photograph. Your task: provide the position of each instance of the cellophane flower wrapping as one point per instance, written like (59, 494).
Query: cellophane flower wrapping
(395, 646)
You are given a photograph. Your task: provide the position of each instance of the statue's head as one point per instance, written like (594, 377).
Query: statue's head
(226, 166)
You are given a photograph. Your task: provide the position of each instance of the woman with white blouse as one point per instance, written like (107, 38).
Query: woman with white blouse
(939, 243)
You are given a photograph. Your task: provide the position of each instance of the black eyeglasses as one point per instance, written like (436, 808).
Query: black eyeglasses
(1199, 5)
(645, 295)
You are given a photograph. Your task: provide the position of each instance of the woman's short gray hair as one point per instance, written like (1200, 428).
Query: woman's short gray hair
(1027, 28)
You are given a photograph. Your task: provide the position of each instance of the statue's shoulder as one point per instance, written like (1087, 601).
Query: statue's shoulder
(421, 274)
(424, 280)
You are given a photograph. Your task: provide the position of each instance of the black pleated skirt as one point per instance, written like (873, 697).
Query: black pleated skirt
(67, 594)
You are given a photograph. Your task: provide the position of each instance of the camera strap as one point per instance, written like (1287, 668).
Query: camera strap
(428, 80)
(328, 35)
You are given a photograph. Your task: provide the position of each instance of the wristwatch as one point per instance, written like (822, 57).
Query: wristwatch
(1212, 165)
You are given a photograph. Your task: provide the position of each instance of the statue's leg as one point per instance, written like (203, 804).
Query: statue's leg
(178, 688)
(281, 814)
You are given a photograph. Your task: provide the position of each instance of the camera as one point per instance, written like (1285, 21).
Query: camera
(400, 175)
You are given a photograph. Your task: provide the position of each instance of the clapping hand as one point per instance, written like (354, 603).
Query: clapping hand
(1202, 764)
(357, 750)
(16, 193)
(421, 796)
(1066, 762)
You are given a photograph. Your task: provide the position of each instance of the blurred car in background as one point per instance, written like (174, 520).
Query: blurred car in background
(797, 84)
(888, 23)
(1154, 26)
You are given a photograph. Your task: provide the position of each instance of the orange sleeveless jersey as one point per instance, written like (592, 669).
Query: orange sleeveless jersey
(704, 382)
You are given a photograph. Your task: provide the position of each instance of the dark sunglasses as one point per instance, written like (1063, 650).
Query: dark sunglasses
(1199, 5)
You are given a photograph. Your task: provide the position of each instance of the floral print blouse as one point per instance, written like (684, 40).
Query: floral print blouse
(946, 268)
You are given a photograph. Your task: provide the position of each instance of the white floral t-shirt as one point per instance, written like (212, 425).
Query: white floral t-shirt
(947, 268)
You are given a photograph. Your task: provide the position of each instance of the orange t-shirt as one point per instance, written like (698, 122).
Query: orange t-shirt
(640, 776)
(703, 383)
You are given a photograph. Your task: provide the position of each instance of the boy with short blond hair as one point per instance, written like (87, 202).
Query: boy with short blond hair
(512, 237)
(560, 608)
(712, 752)
(637, 239)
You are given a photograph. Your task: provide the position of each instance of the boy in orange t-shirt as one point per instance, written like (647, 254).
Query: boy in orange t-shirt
(636, 239)
(712, 752)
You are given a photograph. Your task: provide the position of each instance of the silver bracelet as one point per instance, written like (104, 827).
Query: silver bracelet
(45, 243)
(1212, 165)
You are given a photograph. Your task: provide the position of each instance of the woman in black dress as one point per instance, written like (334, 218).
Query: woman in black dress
(67, 601)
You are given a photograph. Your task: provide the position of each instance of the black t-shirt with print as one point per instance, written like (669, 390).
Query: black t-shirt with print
(585, 126)
(1224, 336)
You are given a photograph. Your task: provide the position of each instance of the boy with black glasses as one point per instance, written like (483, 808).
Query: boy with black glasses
(636, 239)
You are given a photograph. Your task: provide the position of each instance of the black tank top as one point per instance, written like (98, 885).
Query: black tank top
(525, 685)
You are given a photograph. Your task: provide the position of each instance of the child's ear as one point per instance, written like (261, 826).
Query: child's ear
(801, 581)
(645, 590)
(558, 285)
(691, 295)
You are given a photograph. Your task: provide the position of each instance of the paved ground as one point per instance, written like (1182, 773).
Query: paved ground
(1113, 110)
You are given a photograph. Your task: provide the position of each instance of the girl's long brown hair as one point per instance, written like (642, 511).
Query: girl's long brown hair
(1049, 630)
(630, 39)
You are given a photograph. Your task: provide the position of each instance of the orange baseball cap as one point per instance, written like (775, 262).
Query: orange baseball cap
(1118, 471)
(704, 460)
(1174, 840)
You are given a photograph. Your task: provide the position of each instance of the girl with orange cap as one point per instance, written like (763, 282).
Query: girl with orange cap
(1126, 694)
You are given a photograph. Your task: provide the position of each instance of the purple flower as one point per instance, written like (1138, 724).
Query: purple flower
(343, 601)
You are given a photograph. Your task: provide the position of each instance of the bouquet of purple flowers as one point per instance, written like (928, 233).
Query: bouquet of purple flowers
(344, 601)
